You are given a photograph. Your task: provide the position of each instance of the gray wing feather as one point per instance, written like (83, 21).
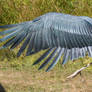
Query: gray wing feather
(52, 30)
(66, 56)
(89, 51)
(31, 45)
(43, 56)
(17, 42)
(57, 58)
(24, 45)
(48, 59)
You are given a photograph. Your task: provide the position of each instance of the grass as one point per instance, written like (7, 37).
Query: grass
(35, 81)
(23, 10)
(18, 74)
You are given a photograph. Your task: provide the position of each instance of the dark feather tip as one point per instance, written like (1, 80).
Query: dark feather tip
(46, 70)
(18, 55)
(39, 68)
(34, 63)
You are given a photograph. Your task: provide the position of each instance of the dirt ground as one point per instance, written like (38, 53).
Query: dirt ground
(22, 81)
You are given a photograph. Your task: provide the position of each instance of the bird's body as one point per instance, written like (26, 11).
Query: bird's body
(58, 33)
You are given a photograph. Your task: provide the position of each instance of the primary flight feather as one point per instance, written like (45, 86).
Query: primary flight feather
(61, 34)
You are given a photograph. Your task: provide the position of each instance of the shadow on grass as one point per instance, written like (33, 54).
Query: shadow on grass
(2, 88)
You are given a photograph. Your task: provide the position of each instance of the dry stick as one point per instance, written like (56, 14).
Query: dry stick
(78, 71)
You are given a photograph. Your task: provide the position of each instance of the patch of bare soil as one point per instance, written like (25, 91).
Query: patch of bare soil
(44, 81)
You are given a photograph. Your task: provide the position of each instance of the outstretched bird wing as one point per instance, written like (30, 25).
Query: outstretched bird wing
(60, 34)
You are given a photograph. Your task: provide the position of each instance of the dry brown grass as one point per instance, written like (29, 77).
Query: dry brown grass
(27, 81)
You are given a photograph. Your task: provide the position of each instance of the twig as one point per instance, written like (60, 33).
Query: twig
(78, 71)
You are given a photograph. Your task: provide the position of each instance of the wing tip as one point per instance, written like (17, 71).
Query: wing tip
(39, 68)
(47, 70)
(34, 63)
(8, 26)
(18, 55)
